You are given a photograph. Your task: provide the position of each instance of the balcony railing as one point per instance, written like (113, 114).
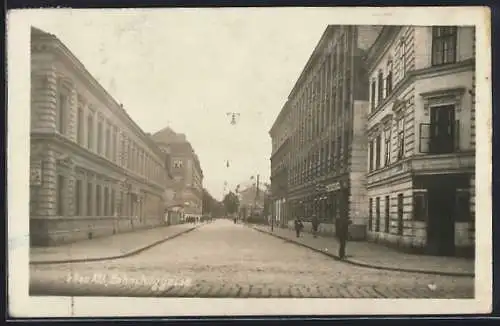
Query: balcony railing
(439, 139)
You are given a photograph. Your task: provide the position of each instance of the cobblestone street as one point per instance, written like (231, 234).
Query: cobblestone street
(222, 259)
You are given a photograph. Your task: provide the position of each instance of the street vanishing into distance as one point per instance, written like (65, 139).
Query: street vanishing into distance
(224, 259)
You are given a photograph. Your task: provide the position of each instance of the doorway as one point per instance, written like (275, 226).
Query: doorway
(441, 221)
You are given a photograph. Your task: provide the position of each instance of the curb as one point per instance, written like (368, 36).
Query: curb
(366, 265)
(125, 255)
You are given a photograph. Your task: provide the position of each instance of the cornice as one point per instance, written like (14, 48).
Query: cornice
(382, 44)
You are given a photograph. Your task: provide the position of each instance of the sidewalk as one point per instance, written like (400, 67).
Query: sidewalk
(376, 256)
(111, 247)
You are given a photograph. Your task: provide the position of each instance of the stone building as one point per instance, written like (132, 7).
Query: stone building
(186, 172)
(421, 129)
(280, 159)
(93, 171)
(327, 140)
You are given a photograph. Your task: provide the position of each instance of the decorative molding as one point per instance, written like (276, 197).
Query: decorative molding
(443, 96)
(399, 106)
(65, 160)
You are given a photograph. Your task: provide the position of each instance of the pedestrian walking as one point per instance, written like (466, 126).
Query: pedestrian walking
(315, 225)
(298, 226)
(343, 234)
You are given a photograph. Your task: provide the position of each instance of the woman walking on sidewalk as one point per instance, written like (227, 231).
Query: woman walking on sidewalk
(315, 225)
(343, 234)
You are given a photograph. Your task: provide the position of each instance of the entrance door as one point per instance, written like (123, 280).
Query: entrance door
(441, 223)
(442, 129)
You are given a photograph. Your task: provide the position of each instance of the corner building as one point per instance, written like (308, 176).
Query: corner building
(93, 171)
(421, 134)
(327, 144)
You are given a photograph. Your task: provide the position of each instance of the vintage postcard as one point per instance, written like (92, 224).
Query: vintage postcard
(181, 162)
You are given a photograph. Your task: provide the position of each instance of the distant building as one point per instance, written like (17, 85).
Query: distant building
(93, 170)
(186, 172)
(251, 201)
(421, 136)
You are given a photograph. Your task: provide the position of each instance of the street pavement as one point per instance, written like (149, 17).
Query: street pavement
(222, 259)
(375, 255)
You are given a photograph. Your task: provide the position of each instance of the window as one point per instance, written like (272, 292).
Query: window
(90, 132)
(99, 137)
(370, 214)
(62, 105)
(108, 142)
(420, 206)
(387, 153)
(370, 145)
(79, 130)
(378, 153)
(61, 192)
(462, 206)
(377, 214)
(106, 202)
(387, 214)
(444, 43)
(401, 139)
(373, 94)
(113, 145)
(98, 200)
(78, 198)
(380, 87)
(112, 202)
(400, 214)
(178, 164)
(89, 199)
(388, 79)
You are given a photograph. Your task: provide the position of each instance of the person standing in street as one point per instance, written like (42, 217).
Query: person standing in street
(343, 234)
(315, 225)
(298, 226)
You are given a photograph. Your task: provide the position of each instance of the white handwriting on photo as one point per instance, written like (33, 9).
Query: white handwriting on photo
(123, 280)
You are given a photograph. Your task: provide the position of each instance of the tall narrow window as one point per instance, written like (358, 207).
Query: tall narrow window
(400, 214)
(373, 95)
(99, 137)
(113, 194)
(61, 193)
(114, 146)
(378, 152)
(106, 202)
(370, 146)
(108, 142)
(79, 130)
(62, 105)
(387, 214)
(98, 202)
(387, 140)
(90, 211)
(388, 79)
(377, 214)
(444, 45)
(90, 132)
(401, 138)
(370, 214)
(380, 93)
(78, 198)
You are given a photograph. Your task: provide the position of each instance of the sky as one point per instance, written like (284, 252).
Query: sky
(188, 68)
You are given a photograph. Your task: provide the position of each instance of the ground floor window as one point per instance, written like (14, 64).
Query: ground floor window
(78, 198)
(370, 214)
(61, 193)
(420, 212)
(377, 214)
(400, 214)
(387, 214)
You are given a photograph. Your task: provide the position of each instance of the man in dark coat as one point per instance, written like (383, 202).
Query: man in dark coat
(315, 225)
(298, 226)
(343, 234)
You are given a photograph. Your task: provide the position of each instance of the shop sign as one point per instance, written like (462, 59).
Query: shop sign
(36, 173)
(333, 186)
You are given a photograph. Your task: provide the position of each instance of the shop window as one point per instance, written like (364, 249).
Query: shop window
(400, 214)
(387, 214)
(420, 212)
(370, 215)
(463, 206)
(61, 193)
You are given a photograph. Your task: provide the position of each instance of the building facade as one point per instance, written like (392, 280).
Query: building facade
(185, 168)
(280, 159)
(251, 202)
(327, 140)
(421, 134)
(93, 171)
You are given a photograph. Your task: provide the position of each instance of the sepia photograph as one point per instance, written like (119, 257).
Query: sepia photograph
(232, 154)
